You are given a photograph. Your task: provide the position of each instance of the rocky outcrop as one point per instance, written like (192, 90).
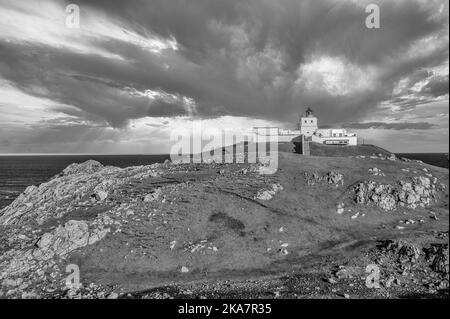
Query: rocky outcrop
(65, 239)
(402, 251)
(408, 262)
(55, 244)
(153, 196)
(268, 194)
(88, 167)
(331, 178)
(418, 192)
(376, 172)
(77, 183)
(437, 255)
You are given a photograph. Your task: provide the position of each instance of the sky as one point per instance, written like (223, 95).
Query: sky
(136, 71)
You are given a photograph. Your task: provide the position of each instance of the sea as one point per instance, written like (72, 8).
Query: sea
(19, 172)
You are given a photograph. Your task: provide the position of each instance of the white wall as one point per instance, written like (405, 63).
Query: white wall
(308, 125)
(352, 140)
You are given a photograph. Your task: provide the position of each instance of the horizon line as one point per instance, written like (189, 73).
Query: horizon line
(145, 154)
(78, 154)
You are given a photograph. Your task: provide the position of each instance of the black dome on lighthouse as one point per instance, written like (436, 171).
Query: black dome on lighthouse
(309, 112)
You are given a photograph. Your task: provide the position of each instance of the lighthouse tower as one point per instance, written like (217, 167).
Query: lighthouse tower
(308, 123)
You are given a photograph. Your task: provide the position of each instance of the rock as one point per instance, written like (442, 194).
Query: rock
(409, 252)
(267, 170)
(443, 285)
(113, 295)
(268, 194)
(58, 196)
(153, 196)
(402, 250)
(388, 197)
(101, 195)
(73, 293)
(387, 202)
(347, 272)
(355, 216)
(264, 195)
(97, 235)
(74, 234)
(88, 167)
(332, 178)
(332, 281)
(12, 283)
(376, 172)
(389, 281)
(335, 178)
(439, 258)
(184, 269)
(29, 295)
(63, 240)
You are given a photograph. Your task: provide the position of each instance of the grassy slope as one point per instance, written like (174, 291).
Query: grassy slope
(344, 151)
(220, 208)
(318, 149)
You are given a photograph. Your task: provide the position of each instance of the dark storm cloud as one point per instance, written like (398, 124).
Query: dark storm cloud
(437, 86)
(432, 87)
(296, 26)
(297, 29)
(234, 57)
(391, 126)
(97, 96)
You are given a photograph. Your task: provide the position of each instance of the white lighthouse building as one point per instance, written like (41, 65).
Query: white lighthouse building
(309, 130)
(308, 123)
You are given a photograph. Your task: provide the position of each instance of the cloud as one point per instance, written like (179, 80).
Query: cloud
(259, 59)
(391, 126)
(437, 86)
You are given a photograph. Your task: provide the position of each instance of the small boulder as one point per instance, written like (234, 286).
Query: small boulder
(113, 295)
(100, 195)
(184, 269)
(269, 193)
(153, 196)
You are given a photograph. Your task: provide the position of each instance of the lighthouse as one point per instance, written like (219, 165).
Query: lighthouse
(308, 123)
(309, 131)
